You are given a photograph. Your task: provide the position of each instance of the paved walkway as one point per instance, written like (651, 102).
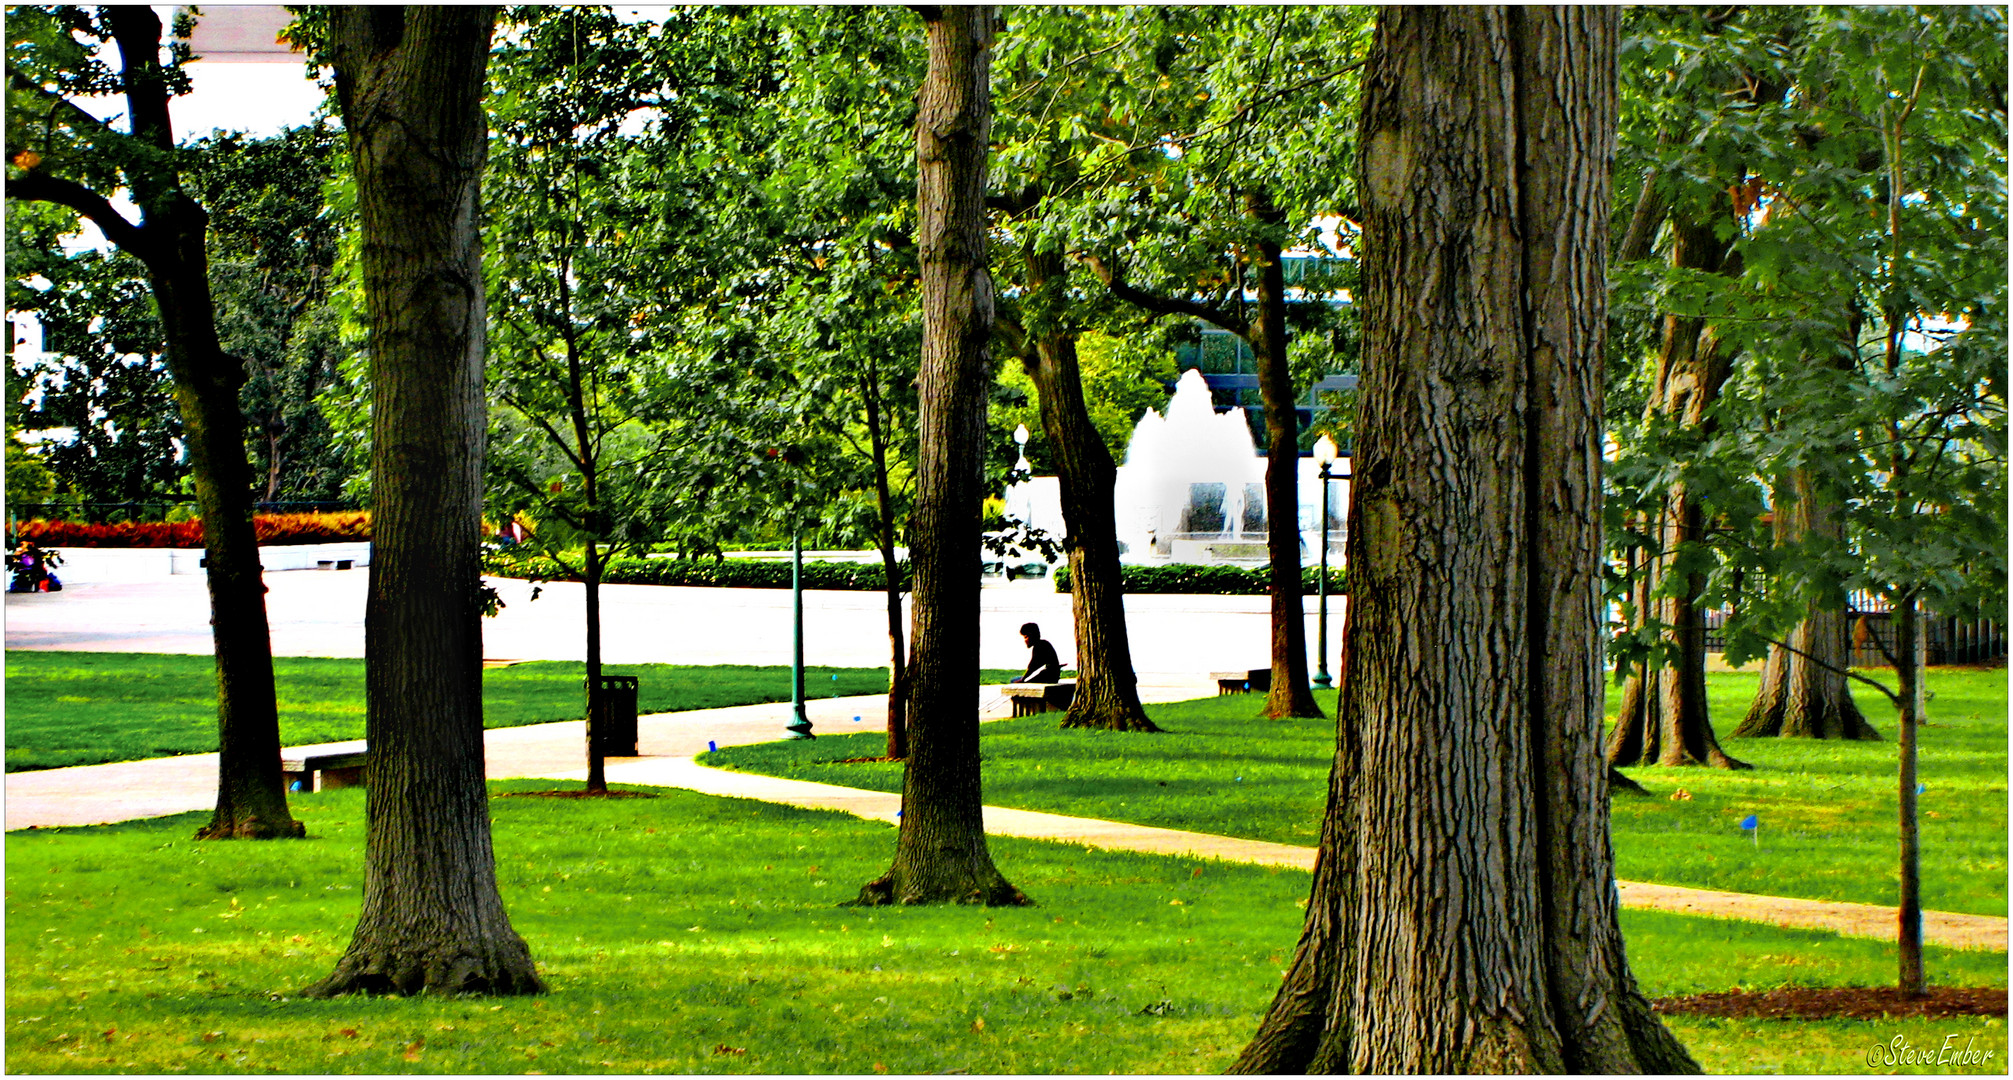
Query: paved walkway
(102, 793)
(320, 613)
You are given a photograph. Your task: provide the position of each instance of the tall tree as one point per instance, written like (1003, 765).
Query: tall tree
(1107, 690)
(410, 83)
(1251, 102)
(273, 246)
(1045, 145)
(940, 852)
(1804, 689)
(1463, 917)
(570, 293)
(69, 157)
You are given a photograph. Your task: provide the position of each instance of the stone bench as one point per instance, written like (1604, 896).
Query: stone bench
(1255, 680)
(1031, 698)
(337, 765)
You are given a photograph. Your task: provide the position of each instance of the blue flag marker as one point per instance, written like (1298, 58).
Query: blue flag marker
(710, 747)
(856, 719)
(1920, 788)
(1752, 823)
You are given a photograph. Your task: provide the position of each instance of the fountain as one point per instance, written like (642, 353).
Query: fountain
(1193, 486)
(1192, 489)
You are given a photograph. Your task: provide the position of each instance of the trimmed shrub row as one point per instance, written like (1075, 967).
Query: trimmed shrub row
(1211, 580)
(323, 528)
(730, 573)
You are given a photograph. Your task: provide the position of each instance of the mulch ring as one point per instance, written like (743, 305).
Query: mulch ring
(574, 793)
(1839, 1003)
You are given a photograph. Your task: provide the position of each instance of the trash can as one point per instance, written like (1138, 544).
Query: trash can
(615, 721)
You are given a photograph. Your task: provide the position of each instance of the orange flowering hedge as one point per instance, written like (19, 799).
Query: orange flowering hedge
(271, 529)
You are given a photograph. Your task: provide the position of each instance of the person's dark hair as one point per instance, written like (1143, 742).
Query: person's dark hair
(1029, 629)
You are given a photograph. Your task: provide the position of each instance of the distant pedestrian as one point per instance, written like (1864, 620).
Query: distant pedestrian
(1042, 665)
(30, 568)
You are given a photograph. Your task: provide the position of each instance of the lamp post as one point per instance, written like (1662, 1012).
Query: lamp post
(799, 726)
(1324, 455)
(800, 723)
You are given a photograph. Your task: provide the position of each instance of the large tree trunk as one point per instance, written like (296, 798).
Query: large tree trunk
(940, 852)
(1663, 718)
(251, 792)
(1107, 692)
(1804, 692)
(1464, 917)
(1290, 694)
(410, 82)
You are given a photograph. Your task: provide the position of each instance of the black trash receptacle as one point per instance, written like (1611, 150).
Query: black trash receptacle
(615, 722)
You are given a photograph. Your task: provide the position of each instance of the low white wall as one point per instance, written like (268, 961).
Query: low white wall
(82, 565)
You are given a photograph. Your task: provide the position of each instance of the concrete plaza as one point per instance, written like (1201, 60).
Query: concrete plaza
(321, 613)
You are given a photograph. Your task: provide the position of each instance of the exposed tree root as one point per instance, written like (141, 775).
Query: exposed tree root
(504, 970)
(1619, 782)
(251, 828)
(1109, 720)
(885, 892)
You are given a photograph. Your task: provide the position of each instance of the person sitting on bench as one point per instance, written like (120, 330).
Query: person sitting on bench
(1042, 665)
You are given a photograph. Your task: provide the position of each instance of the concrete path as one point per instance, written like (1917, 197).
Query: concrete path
(122, 791)
(96, 794)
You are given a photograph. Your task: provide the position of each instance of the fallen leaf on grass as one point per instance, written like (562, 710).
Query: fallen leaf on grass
(413, 1048)
(724, 1049)
(880, 1068)
(978, 1023)
(212, 1036)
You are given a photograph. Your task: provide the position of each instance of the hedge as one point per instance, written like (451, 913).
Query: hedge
(1210, 580)
(275, 529)
(731, 573)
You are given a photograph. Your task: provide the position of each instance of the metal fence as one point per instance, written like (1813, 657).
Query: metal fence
(1945, 641)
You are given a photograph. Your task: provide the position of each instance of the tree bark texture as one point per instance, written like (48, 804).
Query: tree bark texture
(172, 242)
(410, 82)
(1464, 914)
(1290, 694)
(1804, 692)
(1909, 916)
(940, 853)
(1107, 691)
(1663, 719)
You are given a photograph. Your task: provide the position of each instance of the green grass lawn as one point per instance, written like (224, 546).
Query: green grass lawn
(1827, 809)
(693, 934)
(83, 708)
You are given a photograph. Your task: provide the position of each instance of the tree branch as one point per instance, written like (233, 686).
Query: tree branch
(1891, 695)
(42, 187)
(1114, 279)
(552, 433)
(73, 114)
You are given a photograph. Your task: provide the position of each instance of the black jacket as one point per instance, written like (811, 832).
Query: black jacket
(1042, 665)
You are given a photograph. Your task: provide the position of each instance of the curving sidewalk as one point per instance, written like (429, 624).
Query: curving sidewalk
(97, 794)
